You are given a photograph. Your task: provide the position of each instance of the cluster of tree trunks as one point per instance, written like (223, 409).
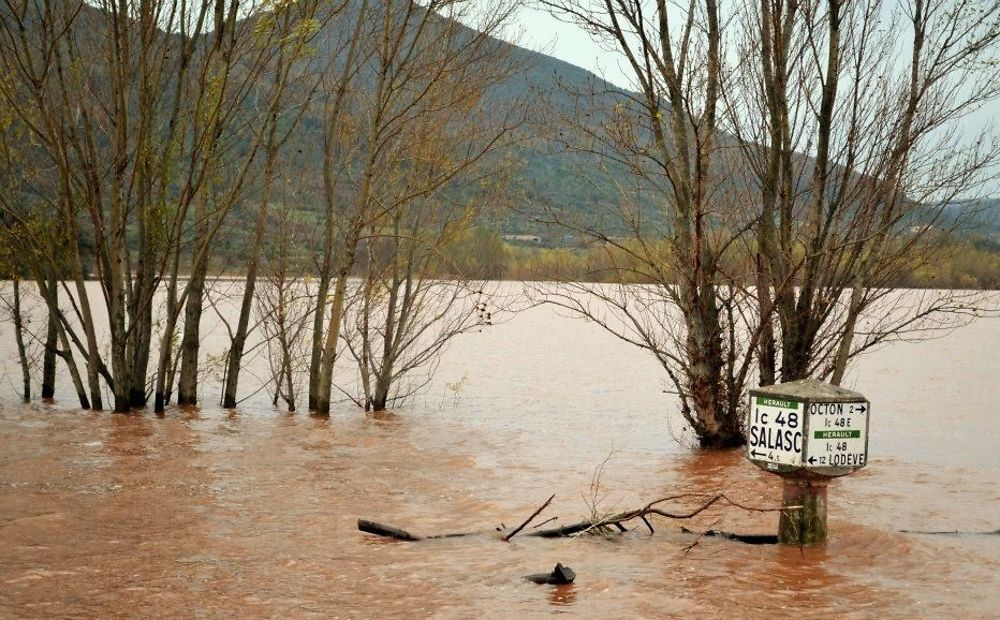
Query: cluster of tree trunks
(187, 127)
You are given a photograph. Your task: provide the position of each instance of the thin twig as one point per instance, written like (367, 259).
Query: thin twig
(549, 520)
(529, 519)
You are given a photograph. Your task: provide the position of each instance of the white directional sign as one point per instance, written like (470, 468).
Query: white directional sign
(838, 434)
(775, 430)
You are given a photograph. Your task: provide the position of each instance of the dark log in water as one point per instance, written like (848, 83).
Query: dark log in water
(560, 575)
(388, 531)
(750, 539)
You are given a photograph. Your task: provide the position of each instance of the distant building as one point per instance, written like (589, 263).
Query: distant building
(522, 238)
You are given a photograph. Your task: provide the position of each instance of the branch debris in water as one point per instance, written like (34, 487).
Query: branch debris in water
(598, 524)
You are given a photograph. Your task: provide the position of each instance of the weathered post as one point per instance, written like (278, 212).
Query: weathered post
(807, 432)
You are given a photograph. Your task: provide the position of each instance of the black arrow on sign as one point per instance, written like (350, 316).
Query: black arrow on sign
(756, 454)
(812, 459)
(862, 409)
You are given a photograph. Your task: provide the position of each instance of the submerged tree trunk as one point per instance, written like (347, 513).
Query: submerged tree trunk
(49, 290)
(716, 425)
(141, 326)
(67, 354)
(74, 372)
(90, 331)
(325, 378)
(171, 376)
(162, 393)
(22, 354)
(319, 319)
(246, 307)
(187, 388)
(51, 349)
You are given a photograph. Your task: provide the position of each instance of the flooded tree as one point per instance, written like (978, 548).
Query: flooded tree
(847, 118)
(32, 246)
(803, 156)
(670, 221)
(132, 166)
(420, 66)
(10, 301)
(287, 94)
(339, 142)
(409, 304)
(284, 302)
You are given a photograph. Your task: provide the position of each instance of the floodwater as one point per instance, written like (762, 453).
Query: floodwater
(252, 513)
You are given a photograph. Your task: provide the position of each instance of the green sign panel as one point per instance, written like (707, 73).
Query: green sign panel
(837, 434)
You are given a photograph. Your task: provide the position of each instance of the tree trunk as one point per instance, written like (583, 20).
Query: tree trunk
(253, 263)
(22, 354)
(381, 395)
(243, 323)
(141, 327)
(49, 291)
(847, 335)
(171, 377)
(51, 347)
(160, 397)
(319, 319)
(325, 382)
(74, 371)
(715, 424)
(187, 388)
(90, 331)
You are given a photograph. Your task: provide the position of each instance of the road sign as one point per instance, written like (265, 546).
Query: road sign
(808, 426)
(775, 430)
(838, 434)
(807, 432)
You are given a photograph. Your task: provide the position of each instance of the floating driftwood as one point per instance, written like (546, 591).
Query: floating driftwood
(602, 524)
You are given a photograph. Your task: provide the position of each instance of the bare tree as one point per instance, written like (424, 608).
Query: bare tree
(284, 303)
(671, 221)
(23, 230)
(413, 52)
(164, 115)
(8, 266)
(846, 115)
(299, 23)
(12, 308)
(409, 305)
(838, 156)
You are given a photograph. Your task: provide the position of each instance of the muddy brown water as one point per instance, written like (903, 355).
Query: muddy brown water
(209, 513)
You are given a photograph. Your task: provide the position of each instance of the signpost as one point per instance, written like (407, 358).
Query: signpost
(807, 432)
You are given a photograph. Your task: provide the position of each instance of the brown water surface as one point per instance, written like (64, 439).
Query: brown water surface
(253, 513)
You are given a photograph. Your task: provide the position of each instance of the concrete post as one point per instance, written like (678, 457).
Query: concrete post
(805, 525)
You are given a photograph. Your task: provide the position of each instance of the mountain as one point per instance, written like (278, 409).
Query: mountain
(545, 178)
(977, 219)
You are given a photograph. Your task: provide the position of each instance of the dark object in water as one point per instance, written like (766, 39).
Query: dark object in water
(560, 575)
(952, 533)
(750, 539)
(380, 529)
